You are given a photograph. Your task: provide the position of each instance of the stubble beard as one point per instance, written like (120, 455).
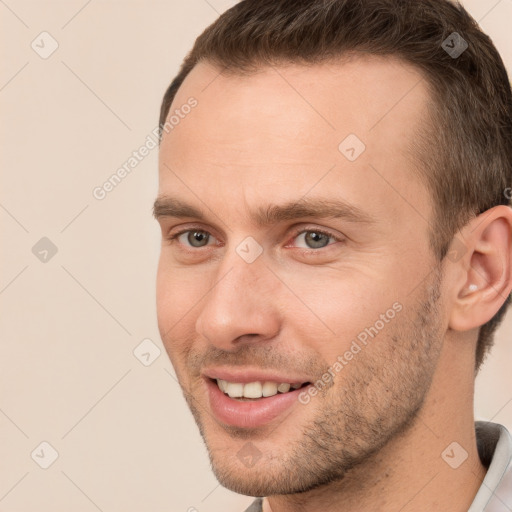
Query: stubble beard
(377, 398)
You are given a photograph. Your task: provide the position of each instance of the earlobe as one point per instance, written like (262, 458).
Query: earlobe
(485, 271)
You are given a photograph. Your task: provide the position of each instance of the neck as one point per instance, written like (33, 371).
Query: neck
(413, 472)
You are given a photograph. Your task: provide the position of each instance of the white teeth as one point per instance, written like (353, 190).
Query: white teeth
(283, 388)
(254, 389)
(234, 390)
(269, 389)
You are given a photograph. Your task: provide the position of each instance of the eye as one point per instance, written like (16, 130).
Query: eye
(315, 238)
(194, 238)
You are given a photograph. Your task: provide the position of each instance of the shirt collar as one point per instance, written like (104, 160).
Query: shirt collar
(495, 451)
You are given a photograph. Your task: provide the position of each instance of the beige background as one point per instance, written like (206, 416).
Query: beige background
(69, 326)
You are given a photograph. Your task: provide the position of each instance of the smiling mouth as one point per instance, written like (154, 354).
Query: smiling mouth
(253, 391)
(251, 404)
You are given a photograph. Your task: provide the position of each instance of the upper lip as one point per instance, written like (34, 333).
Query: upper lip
(246, 375)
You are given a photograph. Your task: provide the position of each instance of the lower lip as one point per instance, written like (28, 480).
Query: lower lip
(249, 414)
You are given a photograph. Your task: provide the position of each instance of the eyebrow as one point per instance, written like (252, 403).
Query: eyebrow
(322, 208)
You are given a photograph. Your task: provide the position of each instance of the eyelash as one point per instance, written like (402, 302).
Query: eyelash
(172, 238)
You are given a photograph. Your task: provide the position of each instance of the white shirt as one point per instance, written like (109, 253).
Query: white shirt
(495, 450)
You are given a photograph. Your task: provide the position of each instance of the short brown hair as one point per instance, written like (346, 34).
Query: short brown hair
(464, 149)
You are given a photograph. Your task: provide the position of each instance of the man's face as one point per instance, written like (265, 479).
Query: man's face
(350, 301)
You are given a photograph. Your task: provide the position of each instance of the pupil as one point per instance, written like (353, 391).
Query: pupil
(197, 236)
(316, 238)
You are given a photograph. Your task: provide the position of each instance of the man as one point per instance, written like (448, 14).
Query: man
(336, 252)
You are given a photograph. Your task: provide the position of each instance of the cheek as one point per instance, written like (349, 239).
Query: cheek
(175, 289)
(334, 309)
(172, 302)
(170, 309)
(179, 294)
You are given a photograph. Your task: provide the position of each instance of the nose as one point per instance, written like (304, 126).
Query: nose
(241, 304)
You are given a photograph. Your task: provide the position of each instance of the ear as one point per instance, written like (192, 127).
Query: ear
(481, 256)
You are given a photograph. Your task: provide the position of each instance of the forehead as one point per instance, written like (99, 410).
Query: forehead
(343, 127)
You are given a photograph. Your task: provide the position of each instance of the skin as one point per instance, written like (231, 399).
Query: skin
(373, 439)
